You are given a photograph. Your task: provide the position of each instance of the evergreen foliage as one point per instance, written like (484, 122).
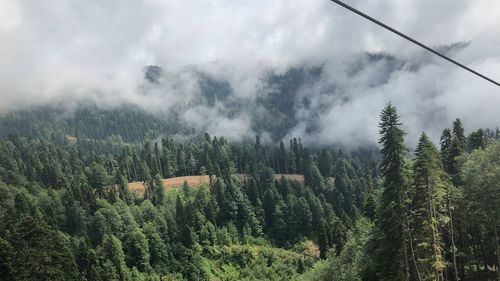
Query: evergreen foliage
(390, 247)
(66, 212)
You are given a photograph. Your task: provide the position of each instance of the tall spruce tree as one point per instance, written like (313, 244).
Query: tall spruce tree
(446, 139)
(390, 245)
(113, 251)
(428, 211)
(458, 145)
(476, 140)
(325, 161)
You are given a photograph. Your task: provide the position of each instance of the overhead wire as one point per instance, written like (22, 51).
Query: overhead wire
(414, 41)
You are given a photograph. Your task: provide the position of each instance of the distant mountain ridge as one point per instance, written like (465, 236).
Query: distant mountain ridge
(282, 100)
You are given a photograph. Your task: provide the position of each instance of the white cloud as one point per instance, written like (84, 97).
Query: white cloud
(96, 49)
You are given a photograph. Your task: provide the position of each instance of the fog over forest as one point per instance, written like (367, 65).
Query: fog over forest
(225, 63)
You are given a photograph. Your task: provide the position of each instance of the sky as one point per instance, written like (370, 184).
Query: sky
(96, 49)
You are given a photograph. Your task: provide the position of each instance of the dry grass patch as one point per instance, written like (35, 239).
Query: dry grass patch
(171, 183)
(71, 139)
(194, 181)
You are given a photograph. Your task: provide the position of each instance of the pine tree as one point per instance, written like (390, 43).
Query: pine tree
(125, 193)
(113, 251)
(390, 242)
(458, 146)
(181, 162)
(99, 179)
(160, 253)
(160, 190)
(253, 191)
(370, 206)
(325, 163)
(428, 206)
(136, 249)
(477, 140)
(155, 191)
(323, 242)
(166, 165)
(283, 159)
(157, 158)
(147, 156)
(459, 134)
(446, 140)
(259, 150)
(41, 252)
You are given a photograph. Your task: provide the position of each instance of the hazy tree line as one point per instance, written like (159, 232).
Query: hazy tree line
(87, 123)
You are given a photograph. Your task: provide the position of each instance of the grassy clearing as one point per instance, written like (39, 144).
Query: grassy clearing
(194, 181)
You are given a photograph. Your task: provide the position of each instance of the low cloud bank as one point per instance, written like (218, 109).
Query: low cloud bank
(96, 50)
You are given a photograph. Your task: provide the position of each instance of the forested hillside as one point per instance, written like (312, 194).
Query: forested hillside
(66, 212)
(280, 96)
(85, 122)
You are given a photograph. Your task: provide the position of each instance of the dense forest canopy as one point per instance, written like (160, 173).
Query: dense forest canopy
(249, 140)
(67, 213)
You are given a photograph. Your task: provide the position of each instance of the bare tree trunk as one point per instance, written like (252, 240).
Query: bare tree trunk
(498, 253)
(158, 160)
(453, 249)
(413, 253)
(462, 260)
(128, 170)
(474, 254)
(435, 240)
(407, 268)
(495, 231)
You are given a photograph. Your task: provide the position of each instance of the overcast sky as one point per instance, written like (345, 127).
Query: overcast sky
(97, 48)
